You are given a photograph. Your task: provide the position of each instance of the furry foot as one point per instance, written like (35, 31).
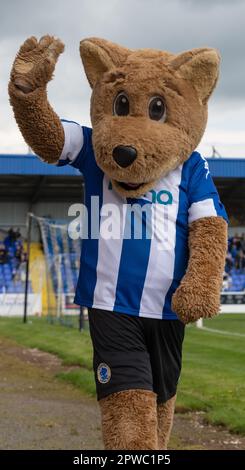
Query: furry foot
(129, 420)
(165, 415)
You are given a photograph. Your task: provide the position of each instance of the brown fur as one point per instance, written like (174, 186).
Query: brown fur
(38, 123)
(165, 416)
(199, 292)
(129, 420)
(185, 82)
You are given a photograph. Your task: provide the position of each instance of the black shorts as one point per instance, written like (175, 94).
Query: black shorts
(135, 353)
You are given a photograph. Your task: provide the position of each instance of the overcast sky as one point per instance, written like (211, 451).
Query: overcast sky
(173, 25)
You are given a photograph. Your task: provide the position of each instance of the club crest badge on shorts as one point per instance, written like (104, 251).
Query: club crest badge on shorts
(103, 373)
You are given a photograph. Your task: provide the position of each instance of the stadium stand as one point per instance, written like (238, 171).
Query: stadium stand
(28, 185)
(12, 263)
(235, 265)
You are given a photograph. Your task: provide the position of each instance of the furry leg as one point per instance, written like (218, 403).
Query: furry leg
(165, 415)
(129, 420)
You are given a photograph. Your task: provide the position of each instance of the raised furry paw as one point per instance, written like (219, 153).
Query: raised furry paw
(194, 300)
(35, 63)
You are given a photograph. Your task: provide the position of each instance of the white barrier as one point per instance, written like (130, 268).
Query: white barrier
(12, 305)
(233, 308)
(232, 302)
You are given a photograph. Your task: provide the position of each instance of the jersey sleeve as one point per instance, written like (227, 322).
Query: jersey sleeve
(204, 199)
(77, 146)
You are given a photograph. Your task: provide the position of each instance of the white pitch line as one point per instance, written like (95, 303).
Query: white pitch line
(227, 333)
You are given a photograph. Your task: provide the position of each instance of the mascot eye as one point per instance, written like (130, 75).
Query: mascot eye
(121, 105)
(157, 109)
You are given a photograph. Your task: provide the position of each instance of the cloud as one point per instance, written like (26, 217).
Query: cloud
(173, 25)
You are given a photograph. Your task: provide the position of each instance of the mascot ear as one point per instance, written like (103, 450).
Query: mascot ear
(201, 67)
(100, 56)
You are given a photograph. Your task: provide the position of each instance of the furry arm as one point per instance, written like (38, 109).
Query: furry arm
(38, 123)
(199, 292)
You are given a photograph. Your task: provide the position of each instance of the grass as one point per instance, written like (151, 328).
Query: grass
(212, 379)
(72, 347)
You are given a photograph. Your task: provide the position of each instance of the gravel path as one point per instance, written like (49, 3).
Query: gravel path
(37, 411)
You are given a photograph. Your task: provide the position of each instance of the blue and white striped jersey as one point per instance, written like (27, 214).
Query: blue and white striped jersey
(132, 274)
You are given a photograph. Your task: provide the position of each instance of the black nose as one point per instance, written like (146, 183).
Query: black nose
(124, 156)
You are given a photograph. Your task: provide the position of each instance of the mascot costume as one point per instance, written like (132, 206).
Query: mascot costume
(148, 113)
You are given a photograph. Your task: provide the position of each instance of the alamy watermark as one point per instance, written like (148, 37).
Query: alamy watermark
(149, 220)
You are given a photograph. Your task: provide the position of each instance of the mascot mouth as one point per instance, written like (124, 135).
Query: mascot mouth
(129, 186)
(132, 189)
